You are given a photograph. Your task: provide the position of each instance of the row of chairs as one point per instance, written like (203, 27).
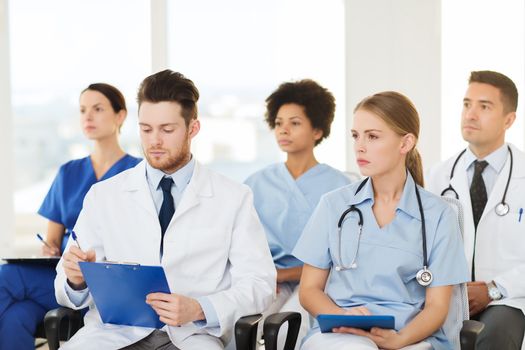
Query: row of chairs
(62, 323)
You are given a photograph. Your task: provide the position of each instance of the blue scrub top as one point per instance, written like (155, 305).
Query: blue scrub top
(63, 202)
(389, 257)
(285, 204)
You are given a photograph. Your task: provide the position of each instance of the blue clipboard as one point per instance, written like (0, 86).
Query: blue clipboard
(328, 322)
(119, 292)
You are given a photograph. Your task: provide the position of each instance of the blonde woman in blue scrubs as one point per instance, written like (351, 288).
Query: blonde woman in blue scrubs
(383, 281)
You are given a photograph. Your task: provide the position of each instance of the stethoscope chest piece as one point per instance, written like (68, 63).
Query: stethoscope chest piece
(502, 209)
(424, 277)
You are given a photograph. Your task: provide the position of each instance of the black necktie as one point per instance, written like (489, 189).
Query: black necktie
(167, 209)
(478, 192)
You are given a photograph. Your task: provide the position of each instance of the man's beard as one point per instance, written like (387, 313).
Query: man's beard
(172, 163)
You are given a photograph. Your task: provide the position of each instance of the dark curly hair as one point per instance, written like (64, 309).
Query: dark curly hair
(317, 101)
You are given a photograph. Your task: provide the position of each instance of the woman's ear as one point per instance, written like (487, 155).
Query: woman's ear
(318, 133)
(121, 117)
(408, 142)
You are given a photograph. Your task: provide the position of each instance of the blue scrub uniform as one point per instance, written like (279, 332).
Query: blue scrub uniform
(27, 292)
(384, 280)
(285, 204)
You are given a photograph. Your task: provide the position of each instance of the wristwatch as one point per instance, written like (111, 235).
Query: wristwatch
(494, 292)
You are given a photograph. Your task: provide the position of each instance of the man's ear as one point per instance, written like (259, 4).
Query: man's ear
(194, 127)
(509, 120)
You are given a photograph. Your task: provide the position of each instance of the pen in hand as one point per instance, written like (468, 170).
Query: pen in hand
(74, 236)
(52, 250)
(43, 241)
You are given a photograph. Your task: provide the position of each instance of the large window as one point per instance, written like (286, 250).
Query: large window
(58, 47)
(237, 52)
(480, 35)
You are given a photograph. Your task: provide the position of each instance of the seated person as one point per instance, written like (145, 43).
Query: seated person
(285, 194)
(170, 210)
(376, 264)
(488, 173)
(26, 291)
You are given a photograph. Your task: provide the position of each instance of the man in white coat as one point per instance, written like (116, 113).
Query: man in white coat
(489, 180)
(169, 210)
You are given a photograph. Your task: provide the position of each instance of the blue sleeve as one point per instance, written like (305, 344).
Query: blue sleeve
(212, 320)
(77, 297)
(51, 207)
(447, 260)
(313, 246)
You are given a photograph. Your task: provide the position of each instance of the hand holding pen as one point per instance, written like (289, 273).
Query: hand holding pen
(47, 249)
(70, 261)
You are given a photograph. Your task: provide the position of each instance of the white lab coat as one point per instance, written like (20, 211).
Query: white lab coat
(500, 241)
(214, 246)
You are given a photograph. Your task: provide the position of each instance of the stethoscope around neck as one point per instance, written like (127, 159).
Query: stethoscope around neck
(502, 208)
(424, 276)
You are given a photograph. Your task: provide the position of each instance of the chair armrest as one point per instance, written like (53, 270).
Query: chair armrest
(469, 334)
(246, 332)
(53, 325)
(273, 323)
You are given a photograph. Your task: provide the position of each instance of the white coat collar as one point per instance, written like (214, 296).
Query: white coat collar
(199, 186)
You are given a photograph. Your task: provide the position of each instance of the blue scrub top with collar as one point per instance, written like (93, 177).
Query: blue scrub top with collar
(389, 257)
(63, 202)
(285, 204)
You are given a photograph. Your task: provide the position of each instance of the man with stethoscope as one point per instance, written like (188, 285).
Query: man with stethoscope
(488, 177)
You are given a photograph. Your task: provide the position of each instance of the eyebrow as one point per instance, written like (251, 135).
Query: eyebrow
(466, 99)
(293, 117)
(368, 130)
(161, 125)
(95, 105)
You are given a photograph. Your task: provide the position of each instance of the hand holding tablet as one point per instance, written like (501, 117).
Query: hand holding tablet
(365, 322)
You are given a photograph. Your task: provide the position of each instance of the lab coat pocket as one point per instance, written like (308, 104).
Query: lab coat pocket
(513, 230)
(207, 253)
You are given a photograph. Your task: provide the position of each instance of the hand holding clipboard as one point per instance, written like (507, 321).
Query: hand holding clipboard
(175, 309)
(120, 291)
(137, 295)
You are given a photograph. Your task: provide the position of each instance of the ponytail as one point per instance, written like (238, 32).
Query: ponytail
(415, 166)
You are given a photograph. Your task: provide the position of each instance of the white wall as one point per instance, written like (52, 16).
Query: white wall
(159, 36)
(6, 137)
(396, 45)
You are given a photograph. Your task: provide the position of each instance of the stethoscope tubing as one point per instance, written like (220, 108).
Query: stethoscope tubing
(502, 203)
(424, 276)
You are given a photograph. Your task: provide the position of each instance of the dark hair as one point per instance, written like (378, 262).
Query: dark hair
(401, 115)
(113, 94)
(506, 87)
(170, 86)
(318, 104)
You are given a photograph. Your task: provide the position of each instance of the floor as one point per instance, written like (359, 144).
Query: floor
(42, 347)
